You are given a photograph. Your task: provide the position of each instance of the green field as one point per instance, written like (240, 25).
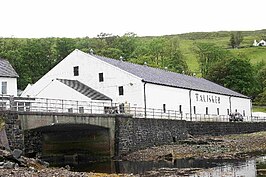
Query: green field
(221, 39)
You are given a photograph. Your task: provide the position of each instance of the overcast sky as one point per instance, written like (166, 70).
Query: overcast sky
(81, 18)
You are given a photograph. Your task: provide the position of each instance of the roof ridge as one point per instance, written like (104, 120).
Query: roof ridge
(161, 69)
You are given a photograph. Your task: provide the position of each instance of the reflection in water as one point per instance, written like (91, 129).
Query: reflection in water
(209, 168)
(243, 169)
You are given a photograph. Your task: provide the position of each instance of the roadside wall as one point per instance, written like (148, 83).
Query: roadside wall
(224, 128)
(133, 134)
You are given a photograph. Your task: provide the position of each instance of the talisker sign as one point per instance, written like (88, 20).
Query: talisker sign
(208, 98)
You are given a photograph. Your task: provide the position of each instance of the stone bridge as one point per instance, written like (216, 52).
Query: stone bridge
(112, 134)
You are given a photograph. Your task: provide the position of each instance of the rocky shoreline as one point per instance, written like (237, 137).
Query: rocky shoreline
(241, 146)
(206, 147)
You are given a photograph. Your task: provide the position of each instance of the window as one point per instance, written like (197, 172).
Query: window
(180, 109)
(76, 70)
(218, 111)
(27, 105)
(70, 110)
(164, 108)
(207, 111)
(81, 110)
(194, 108)
(121, 90)
(4, 87)
(100, 77)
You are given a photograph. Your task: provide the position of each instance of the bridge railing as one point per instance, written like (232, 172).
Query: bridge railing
(105, 107)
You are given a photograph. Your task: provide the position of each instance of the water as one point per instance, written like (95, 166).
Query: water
(204, 167)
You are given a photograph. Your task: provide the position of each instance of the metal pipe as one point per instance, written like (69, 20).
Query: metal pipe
(145, 112)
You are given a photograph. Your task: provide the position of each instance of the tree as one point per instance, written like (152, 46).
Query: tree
(234, 73)
(127, 44)
(236, 39)
(176, 62)
(208, 54)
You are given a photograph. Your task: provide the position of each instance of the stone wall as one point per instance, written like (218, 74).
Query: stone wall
(224, 128)
(133, 134)
(13, 130)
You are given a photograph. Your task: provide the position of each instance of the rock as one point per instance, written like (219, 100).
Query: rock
(46, 164)
(17, 153)
(9, 165)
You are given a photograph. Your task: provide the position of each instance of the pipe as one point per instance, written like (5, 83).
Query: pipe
(145, 106)
(190, 109)
(230, 104)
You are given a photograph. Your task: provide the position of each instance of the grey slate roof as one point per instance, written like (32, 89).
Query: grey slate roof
(84, 89)
(168, 78)
(6, 70)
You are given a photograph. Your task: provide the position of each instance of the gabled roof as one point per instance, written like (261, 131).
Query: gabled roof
(6, 70)
(84, 89)
(168, 78)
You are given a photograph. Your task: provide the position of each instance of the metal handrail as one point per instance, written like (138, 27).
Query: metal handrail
(21, 104)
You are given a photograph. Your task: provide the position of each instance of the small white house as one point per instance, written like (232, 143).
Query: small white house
(8, 78)
(139, 86)
(261, 43)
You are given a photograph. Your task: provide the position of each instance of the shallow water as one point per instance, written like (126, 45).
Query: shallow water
(207, 168)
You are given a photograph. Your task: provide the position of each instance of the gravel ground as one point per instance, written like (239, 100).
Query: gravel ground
(206, 147)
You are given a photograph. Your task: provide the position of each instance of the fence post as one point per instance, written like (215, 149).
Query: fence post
(62, 105)
(91, 107)
(77, 106)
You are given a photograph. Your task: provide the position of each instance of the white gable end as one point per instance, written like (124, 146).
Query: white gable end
(89, 69)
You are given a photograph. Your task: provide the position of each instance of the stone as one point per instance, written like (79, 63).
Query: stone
(17, 153)
(9, 165)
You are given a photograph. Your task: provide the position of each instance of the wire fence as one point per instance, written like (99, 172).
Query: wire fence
(21, 104)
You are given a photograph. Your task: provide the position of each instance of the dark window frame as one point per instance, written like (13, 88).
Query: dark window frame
(120, 90)
(76, 70)
(101, 79)
(164, 108)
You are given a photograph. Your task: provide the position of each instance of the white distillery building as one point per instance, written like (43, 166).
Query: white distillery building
(80, 74)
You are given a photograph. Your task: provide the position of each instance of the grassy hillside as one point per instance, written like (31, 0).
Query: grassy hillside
(188, 40)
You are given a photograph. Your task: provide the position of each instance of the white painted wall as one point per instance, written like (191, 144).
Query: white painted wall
(157, 95)
(203, 100)
(89, 69)
(11, 85)
(61, 98)
(57, 90)
(241, 104)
